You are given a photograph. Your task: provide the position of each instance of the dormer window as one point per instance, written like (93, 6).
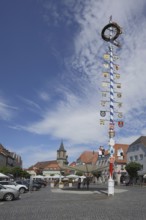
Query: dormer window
(120, 154)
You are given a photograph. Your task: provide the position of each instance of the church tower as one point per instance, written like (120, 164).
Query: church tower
(61, 155)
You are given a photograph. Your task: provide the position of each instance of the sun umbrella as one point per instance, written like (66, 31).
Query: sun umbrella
(39, 176)
(57, 176)
(82, 177)
(72, 176)
(3, 175)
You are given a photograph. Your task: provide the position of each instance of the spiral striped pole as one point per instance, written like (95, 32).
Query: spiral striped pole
(111, 125)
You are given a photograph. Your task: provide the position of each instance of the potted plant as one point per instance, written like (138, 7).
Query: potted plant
(70, 182)
(61, 185)
(52, 183)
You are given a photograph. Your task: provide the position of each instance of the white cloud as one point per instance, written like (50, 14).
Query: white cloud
(7, 111)
(77, 118)
(44, 96)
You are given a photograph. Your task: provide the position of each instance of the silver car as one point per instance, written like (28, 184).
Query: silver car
(20, 187)
(8, 194)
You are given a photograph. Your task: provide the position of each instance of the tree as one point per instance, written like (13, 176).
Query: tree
(5, 170)
(97, 173)
(132, 169)
(79, 173)
(17, 172)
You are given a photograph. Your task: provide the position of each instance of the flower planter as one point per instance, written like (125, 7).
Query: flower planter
(52, 185)
(70, 184)
(61, 185)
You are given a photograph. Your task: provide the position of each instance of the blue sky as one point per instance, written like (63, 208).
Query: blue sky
(51, 72)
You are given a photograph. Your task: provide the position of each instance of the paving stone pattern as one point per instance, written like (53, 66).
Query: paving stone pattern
(47, 204)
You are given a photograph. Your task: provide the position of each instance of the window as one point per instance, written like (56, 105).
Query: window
(135, 157)
(131, 158)
(133, 148)
(141, 156)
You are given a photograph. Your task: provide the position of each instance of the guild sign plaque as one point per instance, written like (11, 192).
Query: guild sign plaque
(103, 113)
(120, 123)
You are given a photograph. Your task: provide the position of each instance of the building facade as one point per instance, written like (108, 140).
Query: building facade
(9, 159)
(119, 163)
(137, 153)
(52, 167)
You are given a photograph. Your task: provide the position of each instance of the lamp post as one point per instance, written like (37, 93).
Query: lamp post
(109, 34)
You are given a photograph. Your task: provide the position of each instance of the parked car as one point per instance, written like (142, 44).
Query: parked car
(8, 194)
(34, 186)
(20, 187)
(43, 183)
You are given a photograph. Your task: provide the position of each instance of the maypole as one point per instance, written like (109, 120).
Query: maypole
(110, 33)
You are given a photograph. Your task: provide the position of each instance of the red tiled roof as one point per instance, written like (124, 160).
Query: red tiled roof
(73, 164)
(44, 165)
(88, 157)
(124, 148)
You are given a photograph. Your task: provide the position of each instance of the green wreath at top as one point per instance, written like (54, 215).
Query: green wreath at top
(116, 27)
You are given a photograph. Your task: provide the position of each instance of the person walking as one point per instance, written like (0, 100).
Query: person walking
(88, 182)
(79, 183)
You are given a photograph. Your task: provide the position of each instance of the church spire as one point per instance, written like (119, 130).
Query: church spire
(62, 147)
(61, 154)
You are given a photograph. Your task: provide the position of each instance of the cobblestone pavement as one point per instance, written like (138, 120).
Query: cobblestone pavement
(48, 204)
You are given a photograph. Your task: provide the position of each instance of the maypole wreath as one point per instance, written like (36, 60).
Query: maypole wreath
(116, 29)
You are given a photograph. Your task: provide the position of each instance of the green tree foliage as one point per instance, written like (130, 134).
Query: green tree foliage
(97, 173)
(79, 173)
(17, 172)
(132, 169)
(5, 170)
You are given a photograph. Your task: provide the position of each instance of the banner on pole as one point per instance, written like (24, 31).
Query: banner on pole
(103, 103)
(106, 56)
(118, 85)
(106, 65)
(105, 84)
(101, 121)
(105, 74)
(111, 126)
(117, 76)
(119, 95)
(103, 94)
(120, 115)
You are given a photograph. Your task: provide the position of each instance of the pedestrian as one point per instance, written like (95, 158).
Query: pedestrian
(88, 182)
(84, 182)
(79, 183)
